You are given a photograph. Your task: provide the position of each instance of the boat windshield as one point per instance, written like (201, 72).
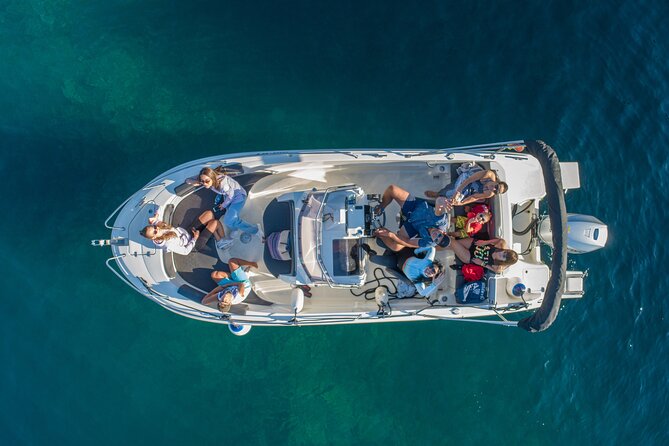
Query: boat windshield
(324, 246)
(310, 228)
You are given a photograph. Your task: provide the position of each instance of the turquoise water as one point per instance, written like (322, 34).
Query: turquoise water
(99, 97)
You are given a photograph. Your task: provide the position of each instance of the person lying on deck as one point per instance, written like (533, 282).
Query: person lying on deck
(421, 225)
(492, 254)
(227, 296)
(169, 238)
(423, 273)
(178, 240)
(473, 184)
(236, 278)
(426, 273)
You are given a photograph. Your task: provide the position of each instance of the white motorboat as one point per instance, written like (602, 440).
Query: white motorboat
(321, 203)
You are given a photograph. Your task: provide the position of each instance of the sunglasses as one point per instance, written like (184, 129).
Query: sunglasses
(431, 271)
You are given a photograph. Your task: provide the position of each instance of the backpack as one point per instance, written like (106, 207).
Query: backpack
(405, 289)
(471, 293)
(472, 272)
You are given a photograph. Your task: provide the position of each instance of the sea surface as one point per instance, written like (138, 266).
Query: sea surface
(98, 97)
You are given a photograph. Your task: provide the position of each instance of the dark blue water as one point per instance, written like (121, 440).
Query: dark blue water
(99, 97)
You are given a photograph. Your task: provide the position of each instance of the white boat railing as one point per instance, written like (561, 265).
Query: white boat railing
(177, 306)
(122, 228)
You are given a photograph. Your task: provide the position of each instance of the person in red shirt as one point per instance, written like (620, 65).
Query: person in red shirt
(467, 226)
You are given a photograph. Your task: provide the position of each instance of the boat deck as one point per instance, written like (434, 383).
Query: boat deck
(262, 205)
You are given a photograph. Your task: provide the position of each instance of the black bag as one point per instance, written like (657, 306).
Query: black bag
(472, 293)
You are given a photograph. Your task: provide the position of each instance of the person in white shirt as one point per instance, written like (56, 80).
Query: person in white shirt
(178, 240)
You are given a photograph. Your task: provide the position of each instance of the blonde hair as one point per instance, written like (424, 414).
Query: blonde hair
(215, 175)
(163, 238)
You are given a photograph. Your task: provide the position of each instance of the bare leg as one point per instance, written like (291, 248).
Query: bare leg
(390, 243)
(235, 263)
(206, 217)
(393, 244)
(219, 230)
(393, 192)
(214, 226)
(203, 219)
(217, 276)
(461, 249)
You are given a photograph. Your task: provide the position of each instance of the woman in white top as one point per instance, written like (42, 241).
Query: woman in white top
(230, 198)
(178, 240)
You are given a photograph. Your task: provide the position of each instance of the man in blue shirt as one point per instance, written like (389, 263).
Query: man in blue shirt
(421, 226)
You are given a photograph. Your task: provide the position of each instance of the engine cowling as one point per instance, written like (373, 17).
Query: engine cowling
(585, 233)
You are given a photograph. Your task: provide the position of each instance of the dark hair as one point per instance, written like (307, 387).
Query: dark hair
(445, 241)
(438, 266)
(510, 259)
(502, 185)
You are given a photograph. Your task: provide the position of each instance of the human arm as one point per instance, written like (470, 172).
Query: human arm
(500, 243)
(473, 226)
(470, 225)
(211, 296)
(459, 200)
(193, 180)
(475, 197)
(425, 291)
(431, 251)
(497, 269)
(226, 192)
(492, 241)
(154, 220)
(474, 177)
(183, 244)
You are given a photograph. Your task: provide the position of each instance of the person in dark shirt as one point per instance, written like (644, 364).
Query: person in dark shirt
(491, 254)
